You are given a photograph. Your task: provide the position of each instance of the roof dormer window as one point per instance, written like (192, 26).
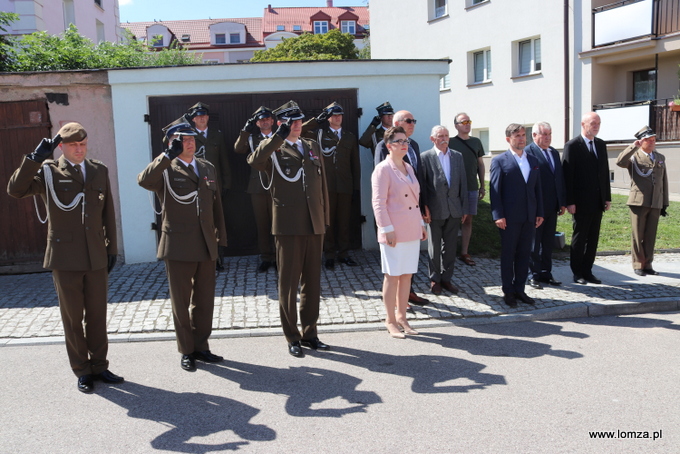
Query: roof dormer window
(320, 27)
(186, 38)
(348, 26)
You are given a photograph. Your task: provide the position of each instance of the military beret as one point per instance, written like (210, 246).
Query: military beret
(72, 132)
(644, 133)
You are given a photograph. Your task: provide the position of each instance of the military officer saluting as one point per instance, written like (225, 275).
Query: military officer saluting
(257, 128)
(297, 182)
(81, 243)
(210, 143)
(192, 229)
(379, 124)
(343, 176)
(648, 197)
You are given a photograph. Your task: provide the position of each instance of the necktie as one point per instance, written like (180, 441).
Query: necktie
(547, 157)
(192, 169)
(76, 168)
(300, 149)
(412, 158)
(592, 150)
(337, 136)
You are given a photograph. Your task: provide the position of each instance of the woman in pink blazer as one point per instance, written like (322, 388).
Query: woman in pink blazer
(400, 228)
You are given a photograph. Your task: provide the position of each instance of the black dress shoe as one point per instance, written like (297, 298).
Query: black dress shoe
(651, 271)
(535, 284)
(510, 299)
(218, 265)
(188, 363)
(109, 377)
(85, 384)
(449, 287)
(295, 349)
(348, 261)
(523, 297)
(580, 280)
(329, 264)
(315, 344)
(207, 357)
(264, 266)
(640, 272)
(592, 279)
(554, 282)
(417, 300)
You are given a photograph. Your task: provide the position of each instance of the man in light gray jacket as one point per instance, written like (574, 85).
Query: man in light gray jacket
(444, 194)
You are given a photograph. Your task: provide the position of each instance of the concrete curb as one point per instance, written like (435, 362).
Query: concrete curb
(574, 310)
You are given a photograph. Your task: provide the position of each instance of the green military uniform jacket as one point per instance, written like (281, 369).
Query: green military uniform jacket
(372, 136)
(299, 207)
(76, 241)
(216, 152)
(189, 232)
(340, 157)
(242, 146)
(647, 191)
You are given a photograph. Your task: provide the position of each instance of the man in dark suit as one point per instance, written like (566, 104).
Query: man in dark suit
(379, 124)
(300, 216)
(586, 178)
(552, 188)
(340, 153)
(192, 229)
(81, 243)
(257, 128)
(405, 119)
(517, 210)
(444, 190)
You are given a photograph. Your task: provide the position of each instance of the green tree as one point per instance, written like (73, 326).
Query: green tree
(6, 40)
(40, 51)
(333, 45)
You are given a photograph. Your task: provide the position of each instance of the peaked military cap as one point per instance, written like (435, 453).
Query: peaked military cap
(289, 111)
(385, 109)
(334, 108)
(644, 133)
(199, 109)
(179, 129)
(262, 112)
(72, 132)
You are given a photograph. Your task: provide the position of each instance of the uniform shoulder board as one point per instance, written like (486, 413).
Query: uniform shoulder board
(97, 161)
(205, 161)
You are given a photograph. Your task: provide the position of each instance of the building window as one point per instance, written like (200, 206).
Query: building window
(234, 38)
(440, 8)
(220, 38)
(529, 52)
(98, 3)
(445, 82)
(297, 28)
(69, 14)
(280, 28)
(483, 136)
(320, 26)
(157, 41)
(476, 2)
(348, 26)
(481, 66)
(186, 38)
(101, 37)
(644, 85)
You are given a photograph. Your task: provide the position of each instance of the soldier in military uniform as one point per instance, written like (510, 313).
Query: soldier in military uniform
(379, 124)
(81, 243)
(257, 128)
(210, 145)
(295, 172)
(343, 176)
(648, 198)
(192, 229)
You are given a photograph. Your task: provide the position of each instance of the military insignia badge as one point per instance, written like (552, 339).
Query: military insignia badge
(101, 196)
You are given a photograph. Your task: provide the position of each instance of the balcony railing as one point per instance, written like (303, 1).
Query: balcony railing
(620, 120)
(630, 19)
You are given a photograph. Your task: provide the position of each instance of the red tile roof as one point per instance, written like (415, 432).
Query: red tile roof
(291, 16)
(199, 30)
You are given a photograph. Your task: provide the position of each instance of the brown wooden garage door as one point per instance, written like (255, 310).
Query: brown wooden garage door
(229, 113)
(22, 237)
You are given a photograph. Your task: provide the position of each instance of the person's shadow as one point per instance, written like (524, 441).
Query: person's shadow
(430, 373)
(311, 391)
(189, 415)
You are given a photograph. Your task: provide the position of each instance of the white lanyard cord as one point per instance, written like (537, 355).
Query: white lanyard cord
(49, 186)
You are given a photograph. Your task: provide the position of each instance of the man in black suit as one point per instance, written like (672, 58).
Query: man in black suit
(552, 188)
(586, 178)
(405, 119)
(517, 210)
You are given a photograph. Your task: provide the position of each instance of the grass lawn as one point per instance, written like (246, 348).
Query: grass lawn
(614, 233)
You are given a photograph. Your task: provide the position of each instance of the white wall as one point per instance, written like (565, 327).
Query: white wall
(403, 83)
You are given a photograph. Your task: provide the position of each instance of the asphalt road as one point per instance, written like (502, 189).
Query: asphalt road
(506, 387)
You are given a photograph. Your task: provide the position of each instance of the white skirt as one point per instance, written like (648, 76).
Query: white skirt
(401, 259)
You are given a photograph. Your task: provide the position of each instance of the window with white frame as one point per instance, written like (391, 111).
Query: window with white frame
(483, 136)
(474, 2)
(529, 56)
(280, 28)
(445, 82)
(69, 14)
(440, 8)
(98, 3)
(348, 26)
(220, 38)
(297, 28)
(320, 26)
(101, 35)
(157, 41)
(481, 66)
(234, 38)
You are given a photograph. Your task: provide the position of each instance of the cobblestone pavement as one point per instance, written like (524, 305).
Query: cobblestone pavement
(245, 299)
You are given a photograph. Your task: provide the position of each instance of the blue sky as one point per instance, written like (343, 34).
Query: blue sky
(148, 10)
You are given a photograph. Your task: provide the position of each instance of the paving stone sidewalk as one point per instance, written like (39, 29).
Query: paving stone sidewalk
(245, 299)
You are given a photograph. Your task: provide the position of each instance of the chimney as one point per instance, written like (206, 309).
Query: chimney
(269, 8)
(329, 3)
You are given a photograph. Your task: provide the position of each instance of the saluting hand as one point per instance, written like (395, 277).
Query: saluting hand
(283, 130)
(45, 149)
(175, 149)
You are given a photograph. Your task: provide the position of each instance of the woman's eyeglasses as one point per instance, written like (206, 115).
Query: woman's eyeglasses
(401, 141)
